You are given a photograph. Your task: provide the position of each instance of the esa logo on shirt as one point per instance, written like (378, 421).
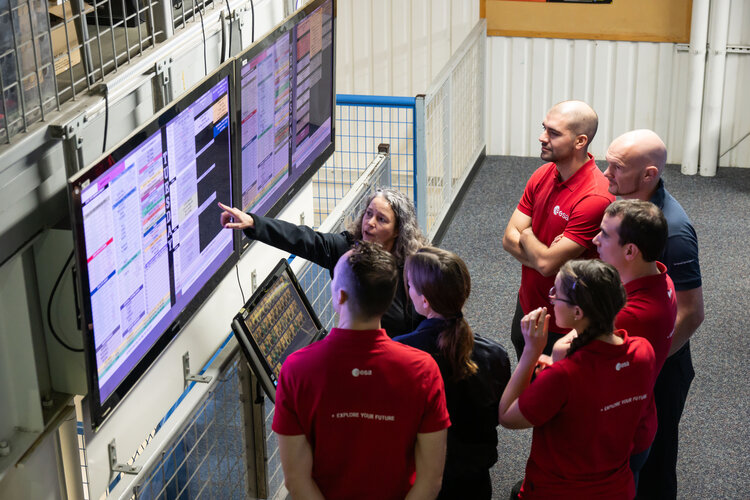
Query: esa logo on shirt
(557, 211)
(357, 372)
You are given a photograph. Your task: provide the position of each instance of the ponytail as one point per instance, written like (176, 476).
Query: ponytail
(443, 278)
(456, 343)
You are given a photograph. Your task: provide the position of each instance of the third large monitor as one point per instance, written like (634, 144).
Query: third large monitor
(285, 108)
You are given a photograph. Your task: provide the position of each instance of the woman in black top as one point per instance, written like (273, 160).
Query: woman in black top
(475, 370)
(389, 219)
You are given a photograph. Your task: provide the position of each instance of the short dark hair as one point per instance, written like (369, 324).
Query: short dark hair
(373, 277)
(643, 224)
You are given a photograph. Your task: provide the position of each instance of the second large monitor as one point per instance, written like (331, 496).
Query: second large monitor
(285, 108)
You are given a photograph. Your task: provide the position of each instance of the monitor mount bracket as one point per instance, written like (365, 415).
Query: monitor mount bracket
(115, 468)
(190, 377)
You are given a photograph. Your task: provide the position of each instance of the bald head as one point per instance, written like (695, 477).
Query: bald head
(580, 118)
(642, 148)
(635, 161)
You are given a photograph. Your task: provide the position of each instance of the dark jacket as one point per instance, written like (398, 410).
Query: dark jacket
(472, 402)
(325, 249)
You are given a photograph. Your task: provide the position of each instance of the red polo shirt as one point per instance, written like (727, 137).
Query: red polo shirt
(650, 312)
(585, 410)
(360, 399)
(573, 208)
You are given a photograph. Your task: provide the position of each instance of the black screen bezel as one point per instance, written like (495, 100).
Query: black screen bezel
(101, 410)
(256, 359)
(315, 163)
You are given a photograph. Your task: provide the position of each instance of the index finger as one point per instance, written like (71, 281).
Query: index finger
(231, 210)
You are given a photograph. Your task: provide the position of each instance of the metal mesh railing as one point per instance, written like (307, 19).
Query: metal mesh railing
(207, 459)
(437, 149)
(454, 128)
(52, 51)
(362, 123)
(27, 73)
(185, 10)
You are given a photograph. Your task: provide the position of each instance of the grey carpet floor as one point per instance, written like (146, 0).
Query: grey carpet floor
(715, 427)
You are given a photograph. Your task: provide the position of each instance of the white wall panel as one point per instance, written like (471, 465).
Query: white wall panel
(629, 84)
(381, 43)
(440, 35)
(397, 47)
(420, 44)
(401, 55)
(735, 114)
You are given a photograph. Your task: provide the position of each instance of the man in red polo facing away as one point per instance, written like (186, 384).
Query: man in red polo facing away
(358, 415)
(559, 212)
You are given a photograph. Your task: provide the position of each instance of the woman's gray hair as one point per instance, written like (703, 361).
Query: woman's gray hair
(410, 237)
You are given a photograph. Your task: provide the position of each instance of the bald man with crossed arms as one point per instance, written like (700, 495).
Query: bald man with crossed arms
(559, 213)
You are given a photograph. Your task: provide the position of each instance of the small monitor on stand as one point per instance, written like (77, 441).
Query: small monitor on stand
(276, 321)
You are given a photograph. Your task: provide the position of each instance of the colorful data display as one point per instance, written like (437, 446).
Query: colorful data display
(149, 223)
(265, 111)
(285, 107)
(313, 97)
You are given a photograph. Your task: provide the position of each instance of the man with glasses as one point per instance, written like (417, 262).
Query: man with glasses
(559, 212)
(635, 163)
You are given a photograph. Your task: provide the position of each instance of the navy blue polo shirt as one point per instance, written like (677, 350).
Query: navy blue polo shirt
(681, 253)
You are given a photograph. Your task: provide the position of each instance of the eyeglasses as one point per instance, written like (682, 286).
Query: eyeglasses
(553, 297)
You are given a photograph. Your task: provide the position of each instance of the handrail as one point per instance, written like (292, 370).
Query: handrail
(375, 100)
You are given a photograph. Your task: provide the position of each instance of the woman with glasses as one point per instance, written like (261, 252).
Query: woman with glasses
(388, 219)
(475, 370)
(584, 408)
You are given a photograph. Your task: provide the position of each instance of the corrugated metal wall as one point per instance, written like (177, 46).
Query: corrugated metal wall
(735, 113)
(629, 84)
(397, 47)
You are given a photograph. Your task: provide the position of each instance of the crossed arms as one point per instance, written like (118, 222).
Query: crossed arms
(519, 241)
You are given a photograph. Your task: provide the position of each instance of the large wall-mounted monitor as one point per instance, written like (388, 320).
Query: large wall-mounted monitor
(148, 241)
(285, 108)
(276, 321)
(313, 86)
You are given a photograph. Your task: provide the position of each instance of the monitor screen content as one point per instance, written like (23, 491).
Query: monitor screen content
(285, 107)
(265, 87)
(275, 322)
(148, 233)
(313, 85)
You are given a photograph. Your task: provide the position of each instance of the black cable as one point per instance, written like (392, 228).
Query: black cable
(230, 29)
(252, 13)
(239, 282)
(106, 117)
(49, 307)
(223, 42)
(203, 29)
